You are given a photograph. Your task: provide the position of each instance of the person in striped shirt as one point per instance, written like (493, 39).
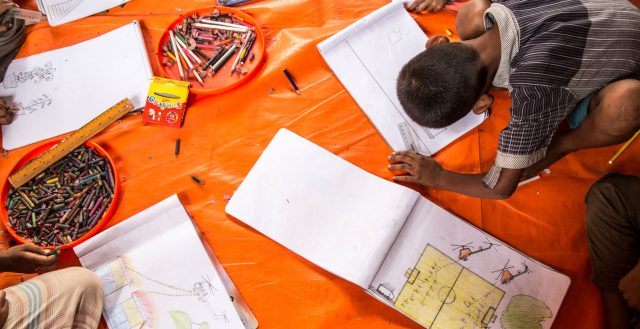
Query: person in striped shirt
(574, 60)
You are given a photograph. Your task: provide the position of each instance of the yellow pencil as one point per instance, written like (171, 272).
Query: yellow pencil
(624, 147)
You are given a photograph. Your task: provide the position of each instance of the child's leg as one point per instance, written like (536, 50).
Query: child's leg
(614, 116)
(613, 234)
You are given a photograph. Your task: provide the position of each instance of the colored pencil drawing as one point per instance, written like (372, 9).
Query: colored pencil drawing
(182, 320)
(440, 293)
(465, 250)
(506, 276)
(525, 312)
(114, 276)
(37, 75)
(126, 315)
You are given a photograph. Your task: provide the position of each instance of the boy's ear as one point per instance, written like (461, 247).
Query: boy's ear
(436, 40)
(482, 104)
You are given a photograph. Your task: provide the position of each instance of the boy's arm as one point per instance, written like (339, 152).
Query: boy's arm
(423, 170)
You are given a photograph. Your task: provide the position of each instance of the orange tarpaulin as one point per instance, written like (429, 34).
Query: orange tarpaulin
(224, 134)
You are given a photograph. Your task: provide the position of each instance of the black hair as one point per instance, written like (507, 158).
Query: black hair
(440, 85)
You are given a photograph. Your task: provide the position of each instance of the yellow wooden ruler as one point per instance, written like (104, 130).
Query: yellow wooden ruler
(70, 143)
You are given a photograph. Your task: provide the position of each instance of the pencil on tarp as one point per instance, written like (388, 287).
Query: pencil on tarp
(176, 150)
(197, 180)
(624, 147)
(290, 78)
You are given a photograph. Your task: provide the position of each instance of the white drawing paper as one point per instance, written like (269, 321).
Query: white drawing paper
(64, 11)
(344, 228)
(61, 90)
(418, 258)
(156, 273)
(367, 58)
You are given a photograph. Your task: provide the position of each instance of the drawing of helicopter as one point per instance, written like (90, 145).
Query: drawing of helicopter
(506, 276)
(466, 252)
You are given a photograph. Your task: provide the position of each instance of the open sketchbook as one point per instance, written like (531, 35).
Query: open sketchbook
(64, 11)
(403, 249)
(158, 273)
(367, 58)
(61, 90)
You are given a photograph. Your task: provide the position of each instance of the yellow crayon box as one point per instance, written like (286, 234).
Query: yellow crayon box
(166, 102)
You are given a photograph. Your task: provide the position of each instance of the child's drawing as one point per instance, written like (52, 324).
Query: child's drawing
(37, 75)
(386, 291)
(113, 275)
(466, 252)
(34, 105)
(440, 293)
(505, 275)
(121, 273)
(182, 320)
(126, 315)
(524, 312)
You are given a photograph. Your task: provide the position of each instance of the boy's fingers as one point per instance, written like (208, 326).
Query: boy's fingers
(33, 249)
(413, 4)
(397, 158)
(405, 178)
(400, 166)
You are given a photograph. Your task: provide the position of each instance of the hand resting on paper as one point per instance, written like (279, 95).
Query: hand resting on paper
(418, 169)
(630, 287)
(27, 258)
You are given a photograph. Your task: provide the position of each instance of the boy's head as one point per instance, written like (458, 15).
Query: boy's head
(441, 85)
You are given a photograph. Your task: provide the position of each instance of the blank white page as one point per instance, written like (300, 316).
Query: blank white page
(61, 90)
(368, 56)
(322, 207)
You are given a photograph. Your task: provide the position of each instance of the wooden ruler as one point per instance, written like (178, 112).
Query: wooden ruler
(70, 143)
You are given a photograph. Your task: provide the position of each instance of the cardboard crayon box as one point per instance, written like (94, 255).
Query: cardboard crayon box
(166, 102)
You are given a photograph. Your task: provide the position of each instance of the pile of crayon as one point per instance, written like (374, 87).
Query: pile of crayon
(201, 45)
(64, 202)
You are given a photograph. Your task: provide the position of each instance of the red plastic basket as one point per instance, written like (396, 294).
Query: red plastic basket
(103, 221)
(220, 82)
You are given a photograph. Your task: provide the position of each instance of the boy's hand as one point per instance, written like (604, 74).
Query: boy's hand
(630, 287)
(6, 113)
(430, 5)
(418, 168)
(27, 258)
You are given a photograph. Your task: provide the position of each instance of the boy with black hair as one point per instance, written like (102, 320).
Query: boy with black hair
(575, 59)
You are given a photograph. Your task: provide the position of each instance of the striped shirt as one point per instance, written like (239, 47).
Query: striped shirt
(554, 53)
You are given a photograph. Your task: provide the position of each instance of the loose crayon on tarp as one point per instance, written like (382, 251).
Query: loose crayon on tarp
(290, 78)
(176, 151)
(197, 180)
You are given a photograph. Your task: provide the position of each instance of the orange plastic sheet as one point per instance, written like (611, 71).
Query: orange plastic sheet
(223, 136)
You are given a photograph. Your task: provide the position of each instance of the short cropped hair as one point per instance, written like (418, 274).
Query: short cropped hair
(440, 85)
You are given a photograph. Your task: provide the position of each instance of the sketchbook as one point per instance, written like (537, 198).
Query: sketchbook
(158, 273)
(61, 90)
(404, 250)
(64, 11)
(367, 58)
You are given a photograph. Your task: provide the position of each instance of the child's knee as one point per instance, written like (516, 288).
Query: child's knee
(86, 281)
(620, 106)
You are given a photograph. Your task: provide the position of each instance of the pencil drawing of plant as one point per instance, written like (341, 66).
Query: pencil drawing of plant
(34, 105)
(37, 75)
